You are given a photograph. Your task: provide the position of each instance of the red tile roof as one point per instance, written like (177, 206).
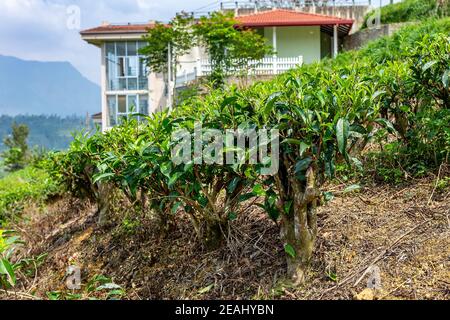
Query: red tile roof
(125, 28)
(283, 17)
(272, 18)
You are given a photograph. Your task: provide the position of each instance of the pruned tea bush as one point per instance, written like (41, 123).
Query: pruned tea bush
(326, 113)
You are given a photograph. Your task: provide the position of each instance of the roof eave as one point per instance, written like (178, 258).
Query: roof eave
(109, 32)
(98, 37)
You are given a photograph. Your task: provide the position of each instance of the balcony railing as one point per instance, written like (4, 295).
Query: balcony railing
(126, 84)
(265, 67)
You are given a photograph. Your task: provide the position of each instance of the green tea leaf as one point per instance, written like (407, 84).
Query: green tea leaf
(290, 250)
(7, 269)
(342, 132)
(352, 188)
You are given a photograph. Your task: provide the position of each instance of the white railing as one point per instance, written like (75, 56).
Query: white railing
(265, 66)
(185, 78)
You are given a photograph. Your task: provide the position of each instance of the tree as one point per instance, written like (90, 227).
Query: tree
(166, 44)
(17, 155)
(229, 48)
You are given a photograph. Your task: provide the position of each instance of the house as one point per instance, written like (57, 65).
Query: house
(128, 87)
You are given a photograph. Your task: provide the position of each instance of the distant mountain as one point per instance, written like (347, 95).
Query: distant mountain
(32, 87)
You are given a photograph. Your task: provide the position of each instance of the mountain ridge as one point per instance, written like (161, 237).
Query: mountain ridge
(45, 87)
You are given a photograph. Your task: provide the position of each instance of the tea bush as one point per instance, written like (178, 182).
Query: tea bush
(325, 113)
(23, 186)
(411, 10)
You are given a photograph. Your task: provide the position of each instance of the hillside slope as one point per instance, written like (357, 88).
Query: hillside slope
(393, 228)
(31, 87)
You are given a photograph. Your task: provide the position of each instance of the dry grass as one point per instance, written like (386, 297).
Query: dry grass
(396, 229)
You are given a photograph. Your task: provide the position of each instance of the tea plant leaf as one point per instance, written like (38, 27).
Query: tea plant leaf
(103, 176)
(7, 269)
(342, 133)
(445, 78)
(290, 250)
(258, 189)
(352, 188)
(428, 65)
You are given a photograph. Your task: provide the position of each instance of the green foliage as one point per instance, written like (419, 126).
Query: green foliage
(8, 242)
(400, 44)
(326, 113)
(49, 132)
(17, 155)
(176, 35)
(19, 188)
(98, 287)
(416, 95)
(430, 67)
(228, 47)
(411, 10)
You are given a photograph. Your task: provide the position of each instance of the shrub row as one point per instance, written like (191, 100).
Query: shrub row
(325, 113)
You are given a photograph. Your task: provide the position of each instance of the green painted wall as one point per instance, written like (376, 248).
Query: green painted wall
(297, 41)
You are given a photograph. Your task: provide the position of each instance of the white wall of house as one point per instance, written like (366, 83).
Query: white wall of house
(189, 62)
(157, 92)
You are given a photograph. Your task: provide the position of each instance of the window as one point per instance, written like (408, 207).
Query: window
(143, 104)
(121, 66)
(121, 48)
(122, 106)
(132, 84)
(122, 103)
(132, 68)
(112, 111)
(125, 68)
(132, 104)
(132, 49)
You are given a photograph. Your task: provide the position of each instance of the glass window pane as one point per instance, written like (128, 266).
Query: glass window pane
(132, 66)
(110, 64)
(122, 101)
(111, 74)
(121, 49)
(142, 68)
(110, 49)
(112, 111)
(132, 83)
(132, 103)
(141, 44)
(143, 104)
(121, 67)
(122, 84)
(143, 83)
(131, 49)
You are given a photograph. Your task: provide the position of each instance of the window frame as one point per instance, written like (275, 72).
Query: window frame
(113, 77)
(118, 115)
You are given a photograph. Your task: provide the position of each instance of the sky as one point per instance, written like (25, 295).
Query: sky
(48, 30)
